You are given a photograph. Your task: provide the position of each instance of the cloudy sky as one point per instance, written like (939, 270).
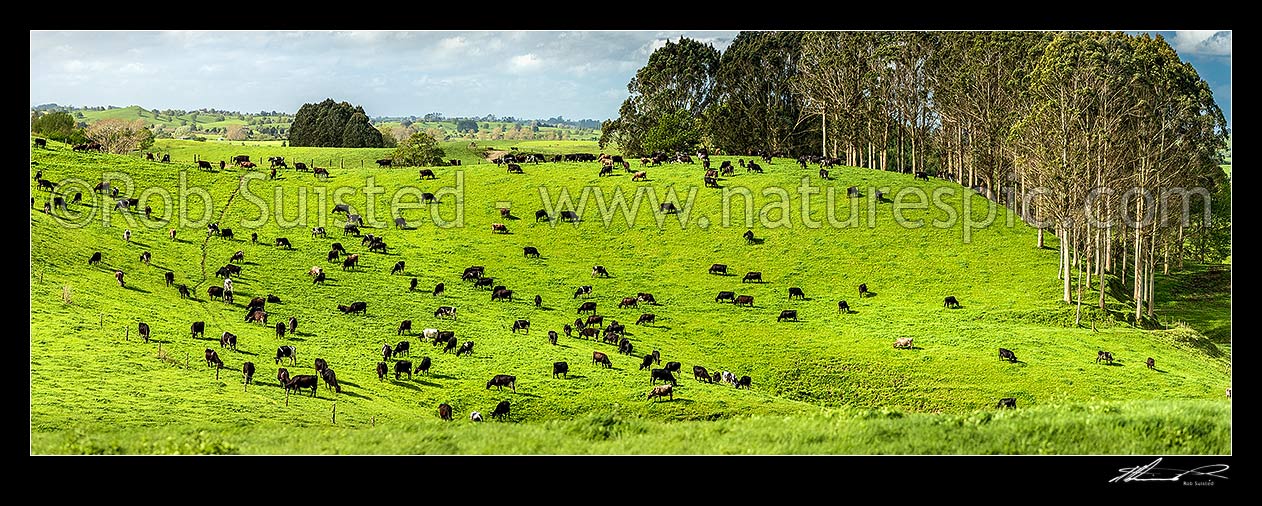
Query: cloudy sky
(575, 74)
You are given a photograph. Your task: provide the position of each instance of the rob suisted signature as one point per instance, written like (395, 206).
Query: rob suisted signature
(1151, 472)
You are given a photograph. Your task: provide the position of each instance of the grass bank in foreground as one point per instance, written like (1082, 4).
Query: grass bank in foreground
(1115, 428)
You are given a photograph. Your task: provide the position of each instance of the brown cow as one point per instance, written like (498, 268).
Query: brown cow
(601, 358)
(903, 342)
(499, 227)
(662, 390)
(444, 412)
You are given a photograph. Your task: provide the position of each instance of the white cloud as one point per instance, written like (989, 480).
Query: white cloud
(524, 63)
(135, 68)
(1203, 42)
(452, 43)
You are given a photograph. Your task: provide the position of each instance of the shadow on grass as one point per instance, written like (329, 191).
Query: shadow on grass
(135, 289)
(524, 394)
(253, 354)
(407, 383)
(355, 395)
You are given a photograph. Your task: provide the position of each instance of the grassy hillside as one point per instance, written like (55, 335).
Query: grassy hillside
(182, 151)
(1135, 427)
(203, 120)
(826, 361)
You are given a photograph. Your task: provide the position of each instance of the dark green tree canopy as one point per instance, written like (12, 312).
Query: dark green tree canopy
(333, 124)
(58, 126)
(677, 82)
(466, 125)
(419, 150)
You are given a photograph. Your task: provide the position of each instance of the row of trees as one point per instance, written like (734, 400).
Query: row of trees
(333, 124)
(1076, 114)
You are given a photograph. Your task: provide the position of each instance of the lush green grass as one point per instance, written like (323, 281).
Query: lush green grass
(1199, 297)
(1135, 427)
(826, 361)
(203, 120)
(183, 152)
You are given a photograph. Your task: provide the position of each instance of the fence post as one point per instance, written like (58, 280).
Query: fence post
(334, 411)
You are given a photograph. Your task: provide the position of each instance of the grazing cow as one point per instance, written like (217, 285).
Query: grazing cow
(302, 381)
(542, 215)
(880, 197)
(445, 311)
(662, 391)
(398, 267)
(403, 367)
(293, 325)
(287, 351)
(587, 307)
(403, 348)
(499, 227)
(212, 359)
(647, 362)
(584, 290)
(950, 302)
(145, 257)
(444, 412)
(281, 241)
(384, 162)
(594, 320)
(673, 367)
(350, 261)
(646, 318)
(514, 169)
(60, 203)
(743, 382)
(589, 332)
(502, 380)
(382, 370)
(752, 166)
(501, 410)
(795, 291)
(903, 342)
(725, 296)
(646, 298)
(215, 292)
(427, 174)
(863, 290)
(628, 302)
(315, 270)
(318, 279)
(198, 329)
(78, 197)
(748, 300)
(552, 337)
(788, 314)
(561, 368)
(300, 166)
(45, 184)
(601, 359)
(625, 346)
(668, 208)
(320, 364)
(424, 365)
(502, 295)
(239, 256)
(254, 238)
(606, 170)
(439, 288)
(843, 306)
(639, 175)
(201, 164)
(522, 325)
(227, 234)
(43, 143)
(475, 416)
(272, 299)
(661, 374)
(1005, 353)
(599, 270)
(1152, 364)
(257, 316)
(717, 377)
(247, 372)
(144, 331)
(710, 182)
(484, 282)
(1105, 356)
(922, 176)
(170, 277)
(729, 378)
(355, 307)
(127, 235)
(569, 216)
(852, 191)
(752, 276)
(118, 276)
(700, 374)
(823, 173)
(569, 331)
(280, 330)
(228, 340)
(282, 375)
(749, 236)
(320, 172)
(318, 232)
(530, 251)
(1007, 402)
(406, 325)
(184, 291)
(465, 349)
(505, 213)
(400, 222)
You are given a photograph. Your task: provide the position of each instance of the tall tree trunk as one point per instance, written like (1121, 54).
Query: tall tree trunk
(1089, 246)
(1152, 274)
(1107, 242)
(1064, 235)
(1179, 258)
(1139, 256)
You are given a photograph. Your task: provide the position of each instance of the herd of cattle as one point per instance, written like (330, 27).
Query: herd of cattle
(593, 326)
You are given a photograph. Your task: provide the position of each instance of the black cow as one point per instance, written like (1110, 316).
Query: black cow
(743, 382)
(700, 374)
(484, 282)
(403, 367)
(1007, 402)
(382, 370)
(752, 276)
(400, 222)
(281, 241)
(427, 173)
(531, 251)
(922, 176)
(795, 291)
(302, 381)
(424, 365)
(212, 359)
(398, 267)
(228, 340)
(502, 380)
(725, 296)
(749, 236)
(405, 325)
(384, 162)
(170, 277)
(673, 367)
(1105, 356)
(444, 412)
(843, 306)
(668, 208)
(561, 368)
(203, 164)
(403, 348)
(144, 331)
(788, 314)
(439, 288)
(330, 379)
(569, 216)
(521, 325)
(287, 351)
(501, 410)
(661, 374)
(542, 214)
(852, 191)
(718, 269)
(184, 291)
(950, 302)
(569, 331)
(1007, 354)
(647, 362)
(646, 318)
(247, 372)
(321, 364)
(863, 290)
(198, 329)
